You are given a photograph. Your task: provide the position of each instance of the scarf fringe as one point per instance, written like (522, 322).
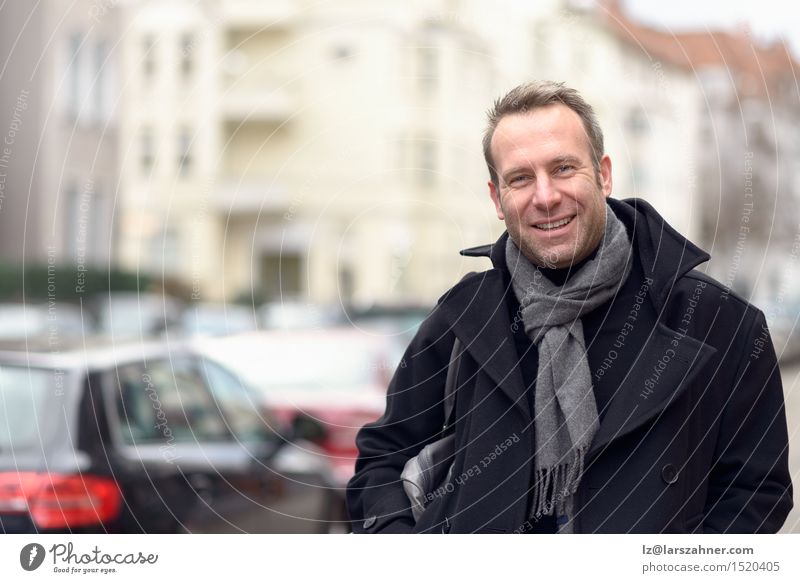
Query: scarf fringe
(557, 483)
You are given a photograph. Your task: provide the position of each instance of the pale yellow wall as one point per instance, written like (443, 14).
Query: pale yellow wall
(322, 154)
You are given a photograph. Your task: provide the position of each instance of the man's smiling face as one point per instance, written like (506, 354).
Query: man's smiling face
(549, 194)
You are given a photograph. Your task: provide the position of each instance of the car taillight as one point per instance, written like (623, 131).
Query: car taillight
(60, 500)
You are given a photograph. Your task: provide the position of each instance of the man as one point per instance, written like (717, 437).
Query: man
(605, 384)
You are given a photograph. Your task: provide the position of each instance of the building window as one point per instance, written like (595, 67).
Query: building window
(74, 75)
(281, 275)
(188, 49)
(428, 64)
(87, 223)
(169, 250)
(162, 250)
(426, 162)
(346, 284)
(184, 151)
(147, 151)
(637, 121)
(100, 81)
(639, 176)
(149, 57)
(100, 226)
(342, 52)
(72, 218)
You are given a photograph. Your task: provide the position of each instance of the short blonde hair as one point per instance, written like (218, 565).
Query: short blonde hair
(530, 96)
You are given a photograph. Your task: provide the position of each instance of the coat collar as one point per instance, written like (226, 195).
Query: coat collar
(477, 311)
(665, 254)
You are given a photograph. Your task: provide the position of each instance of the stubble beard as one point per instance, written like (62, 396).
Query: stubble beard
(586, 240)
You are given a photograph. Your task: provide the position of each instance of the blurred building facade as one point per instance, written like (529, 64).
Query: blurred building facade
(335, 149)
(169, 141)
(331, 151)
(748, 155)
(59, 163)
(751, 174)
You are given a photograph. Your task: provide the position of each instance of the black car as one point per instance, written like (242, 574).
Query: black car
(146, 437)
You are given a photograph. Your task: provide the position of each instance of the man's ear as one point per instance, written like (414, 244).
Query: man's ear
(605, 175)
(495, 196)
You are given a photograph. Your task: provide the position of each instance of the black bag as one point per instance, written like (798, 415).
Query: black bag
(428, 469)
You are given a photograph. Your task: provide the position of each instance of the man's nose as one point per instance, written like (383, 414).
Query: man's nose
(545, 195)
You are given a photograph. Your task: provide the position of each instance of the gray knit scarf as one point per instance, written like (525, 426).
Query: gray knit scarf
(566, 417)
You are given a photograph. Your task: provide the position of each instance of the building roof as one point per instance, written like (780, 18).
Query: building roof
(757, 68)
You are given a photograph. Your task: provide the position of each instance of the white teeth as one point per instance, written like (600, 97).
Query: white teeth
(560, 223)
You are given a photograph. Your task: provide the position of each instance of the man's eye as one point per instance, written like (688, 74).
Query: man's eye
(519, 180)
(564, 168)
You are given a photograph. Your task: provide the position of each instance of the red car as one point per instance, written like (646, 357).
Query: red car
(326, 384)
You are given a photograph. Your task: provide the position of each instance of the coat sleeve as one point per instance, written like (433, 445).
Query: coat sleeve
(750, 487)
(414, 415)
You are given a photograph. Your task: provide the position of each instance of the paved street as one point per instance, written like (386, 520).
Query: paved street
(791, 389)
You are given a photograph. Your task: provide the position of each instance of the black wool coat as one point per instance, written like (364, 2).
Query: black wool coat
(694, 439)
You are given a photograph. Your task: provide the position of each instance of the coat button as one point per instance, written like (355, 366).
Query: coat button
(669, 474)
(370, 521)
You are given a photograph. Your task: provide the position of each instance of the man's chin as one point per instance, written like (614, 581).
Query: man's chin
(539, 260)
(549, 259)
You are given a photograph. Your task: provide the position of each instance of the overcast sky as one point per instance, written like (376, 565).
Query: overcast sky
(767, 18)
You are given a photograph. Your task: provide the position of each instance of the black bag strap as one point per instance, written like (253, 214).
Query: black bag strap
(450, 383)
(452, 377)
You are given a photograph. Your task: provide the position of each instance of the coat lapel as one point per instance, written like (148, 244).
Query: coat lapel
(664, 368)
(477, 313)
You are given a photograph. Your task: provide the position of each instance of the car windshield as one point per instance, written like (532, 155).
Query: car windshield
(23, 394)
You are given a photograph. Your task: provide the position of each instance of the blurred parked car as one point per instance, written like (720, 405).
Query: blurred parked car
(325, 383)
(296, 315)
(210, 319)
(58, 321)
(124, 315)
(143, 438)
(398, 321)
